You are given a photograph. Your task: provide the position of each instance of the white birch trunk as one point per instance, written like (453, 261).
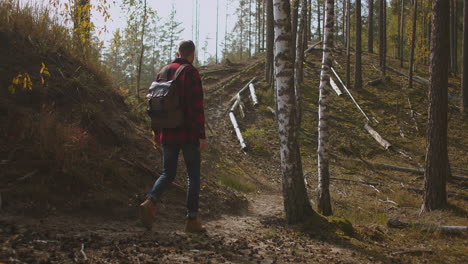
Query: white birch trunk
(324, 204)
(296, 202)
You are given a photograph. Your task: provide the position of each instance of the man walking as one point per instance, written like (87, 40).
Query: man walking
(188, 138)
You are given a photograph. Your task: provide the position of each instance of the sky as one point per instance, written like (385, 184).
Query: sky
(184, 14)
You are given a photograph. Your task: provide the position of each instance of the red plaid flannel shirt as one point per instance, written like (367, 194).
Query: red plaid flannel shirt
(190, 92)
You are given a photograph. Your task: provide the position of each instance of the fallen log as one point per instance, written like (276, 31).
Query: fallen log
(253, 94)
(241, 106)
(237, 130)
(215, 71)
(384, 143)
(335, 87)
(415, 252)
(375, 82)
(394, 223)
(241, 90)
(349, 93)
(312, 47)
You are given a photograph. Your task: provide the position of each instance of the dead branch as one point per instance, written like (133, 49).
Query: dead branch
(241, 90)
(237, 130)
(335, 87)
(28, 175)
(83, 253)
(375, 82)
(415, 252)
(219, 70)
(349, 93)
(253, 94)
(384, 143)
(395, 223)
(312, 47)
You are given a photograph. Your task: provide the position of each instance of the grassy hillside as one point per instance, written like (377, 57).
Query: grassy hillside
(68, 140)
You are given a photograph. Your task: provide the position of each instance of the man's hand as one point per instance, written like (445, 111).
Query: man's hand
(202, 145)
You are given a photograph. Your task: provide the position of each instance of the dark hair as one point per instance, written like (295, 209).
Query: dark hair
(186, 48)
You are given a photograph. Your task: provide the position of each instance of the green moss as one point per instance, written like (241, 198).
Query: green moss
(257, 141)
(236, 183)
(343, 225)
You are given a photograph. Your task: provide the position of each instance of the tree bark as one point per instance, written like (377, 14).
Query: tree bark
(370, 28)
(323, 200)
(402, 32)
(348, 43)
(437, 163)
(294, 24)
(413, 44)
(465, 60)
(358, 64)
(383, 36)
(296, 202)
(269, 41)
(319, 30)
(299, 62)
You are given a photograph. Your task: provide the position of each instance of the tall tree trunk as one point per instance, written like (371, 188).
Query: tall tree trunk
(309, 20)
(259, 29)
(465, 60)
(348, 43)
(437, 164)
(402, 32)
(358, 66)
(383, 36)
(323, 200)
(345, 17)
(413, 44)
(294, 24)
(299, 73)
(250, 29)
(453, 36)
(296, 202)
(217, 29)
(142, 51)
(299, 62)
(270, 31)
(370, 28)
(319, 30)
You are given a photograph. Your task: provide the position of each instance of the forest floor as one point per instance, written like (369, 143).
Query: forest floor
(253, 230)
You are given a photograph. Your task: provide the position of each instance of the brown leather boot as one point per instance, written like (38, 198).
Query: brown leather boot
(194, 226)
(148, 213)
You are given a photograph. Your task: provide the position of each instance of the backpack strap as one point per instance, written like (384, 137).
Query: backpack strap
(163, 74)
(179, 70)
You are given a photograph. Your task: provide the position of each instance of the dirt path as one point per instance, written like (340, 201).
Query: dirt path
(259, 236)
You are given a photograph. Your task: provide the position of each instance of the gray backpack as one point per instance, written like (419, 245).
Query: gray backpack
(163, 101)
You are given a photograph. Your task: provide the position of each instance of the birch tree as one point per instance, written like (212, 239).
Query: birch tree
(437, 164)
(296, 202)
(324, 203)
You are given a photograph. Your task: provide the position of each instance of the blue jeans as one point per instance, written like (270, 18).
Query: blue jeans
(192, 160)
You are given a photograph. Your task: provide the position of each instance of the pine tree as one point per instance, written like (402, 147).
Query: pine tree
(465, 60)
(437, 166)
(358, 66)
(269, 41)
(370, 27)
(324, 203)
(413, 44)
(348, 43)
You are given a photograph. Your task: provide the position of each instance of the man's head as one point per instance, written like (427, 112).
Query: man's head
(186, 50)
